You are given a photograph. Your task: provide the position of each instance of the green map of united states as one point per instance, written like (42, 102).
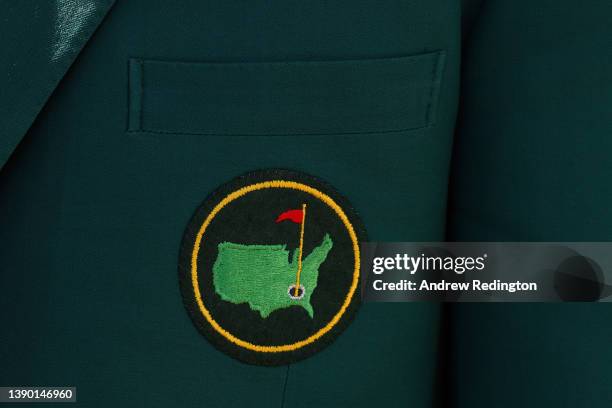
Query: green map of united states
(260, 275)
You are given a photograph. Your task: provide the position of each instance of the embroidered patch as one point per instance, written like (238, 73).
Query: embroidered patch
(269, 266)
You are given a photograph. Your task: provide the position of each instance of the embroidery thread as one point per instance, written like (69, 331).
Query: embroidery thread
(265, 292)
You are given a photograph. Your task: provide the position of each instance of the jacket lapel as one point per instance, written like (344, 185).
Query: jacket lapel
(40, 39)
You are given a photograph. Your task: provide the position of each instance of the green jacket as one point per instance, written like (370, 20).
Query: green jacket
(437, 120)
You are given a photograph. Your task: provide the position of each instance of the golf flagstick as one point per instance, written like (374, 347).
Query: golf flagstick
(299, 270)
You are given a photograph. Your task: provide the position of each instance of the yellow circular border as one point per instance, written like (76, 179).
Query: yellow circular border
(239, 193)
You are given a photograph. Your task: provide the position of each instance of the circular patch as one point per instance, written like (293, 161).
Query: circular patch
(269, 266)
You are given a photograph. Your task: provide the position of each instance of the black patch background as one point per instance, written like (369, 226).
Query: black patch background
(250, 219)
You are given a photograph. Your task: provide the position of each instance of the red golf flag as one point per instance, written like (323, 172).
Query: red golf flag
(292, 215)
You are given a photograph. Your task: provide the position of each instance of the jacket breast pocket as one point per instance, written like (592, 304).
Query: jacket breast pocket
(284, 98)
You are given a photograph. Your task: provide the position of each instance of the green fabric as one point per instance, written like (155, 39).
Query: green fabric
(261, 275)
(52, 34)
(92, 214)
(94, 201)
(532, 163)
(279, 98)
